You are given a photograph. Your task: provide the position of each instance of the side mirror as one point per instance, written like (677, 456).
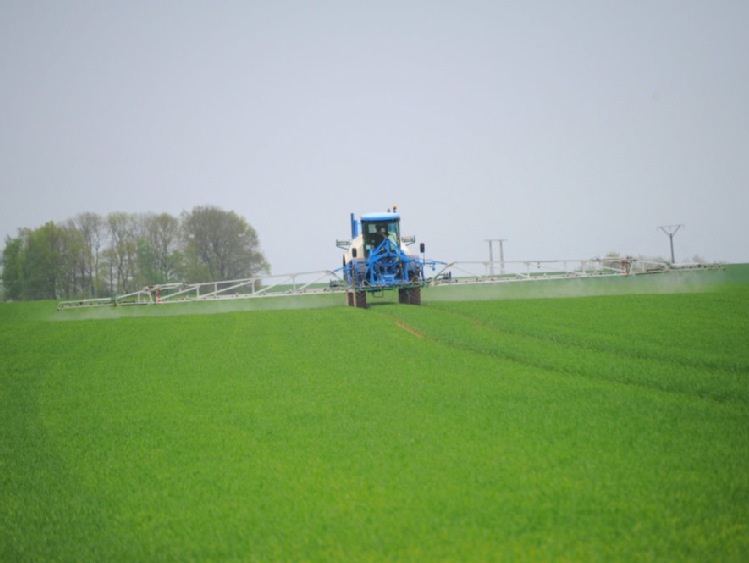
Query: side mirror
(353, 253)
(422, 247)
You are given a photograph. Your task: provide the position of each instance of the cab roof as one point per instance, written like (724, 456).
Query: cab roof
(382, 216)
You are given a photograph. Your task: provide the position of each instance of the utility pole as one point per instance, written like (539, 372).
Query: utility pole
(671, 230)
(491, 256)
(500, 242)
(501, 256)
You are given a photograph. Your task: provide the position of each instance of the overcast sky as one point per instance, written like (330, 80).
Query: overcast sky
(569, 128)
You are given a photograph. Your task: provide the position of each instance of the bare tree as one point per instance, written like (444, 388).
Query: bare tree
(90, 226)
(122, 247)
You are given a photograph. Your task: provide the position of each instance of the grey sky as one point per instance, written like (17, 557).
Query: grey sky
(570, 128)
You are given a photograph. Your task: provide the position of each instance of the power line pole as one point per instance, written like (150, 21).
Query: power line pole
(500, 242)
(501, 256)
(491, 256)
(671, 230)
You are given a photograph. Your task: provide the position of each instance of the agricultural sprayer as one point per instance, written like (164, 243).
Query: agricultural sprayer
(377, 258)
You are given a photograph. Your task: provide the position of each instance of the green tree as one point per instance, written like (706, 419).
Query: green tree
(13, 268)
(161, 233)
(221, 245)
(69, 281)
(147, 270)
(43, 262)
(94, 256)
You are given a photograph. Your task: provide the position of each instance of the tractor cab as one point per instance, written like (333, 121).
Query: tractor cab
(376, 227)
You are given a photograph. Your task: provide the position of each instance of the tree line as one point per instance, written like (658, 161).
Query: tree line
(92, 255)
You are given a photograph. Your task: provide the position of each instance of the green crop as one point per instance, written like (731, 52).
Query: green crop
(593, 428)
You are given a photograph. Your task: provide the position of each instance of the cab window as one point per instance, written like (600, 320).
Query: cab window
(376, 231)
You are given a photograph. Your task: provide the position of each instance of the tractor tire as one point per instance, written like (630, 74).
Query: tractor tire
(404, 296)
(350, 298)
(415, 295)
(360, 299)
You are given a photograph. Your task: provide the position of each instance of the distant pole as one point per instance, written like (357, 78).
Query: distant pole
(491, 256)
(491, 242)
(501, 256)
(671, 230)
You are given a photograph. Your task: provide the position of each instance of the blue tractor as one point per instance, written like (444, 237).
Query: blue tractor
(377, 258)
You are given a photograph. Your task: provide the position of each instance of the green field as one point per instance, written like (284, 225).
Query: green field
(540, 421)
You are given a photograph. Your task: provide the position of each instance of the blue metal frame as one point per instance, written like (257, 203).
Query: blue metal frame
(387, 267)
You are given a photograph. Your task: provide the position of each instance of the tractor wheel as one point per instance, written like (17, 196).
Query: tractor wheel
(360, 299)
(414, 292)
(415, 295)
(350, 298)
(404, 296)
